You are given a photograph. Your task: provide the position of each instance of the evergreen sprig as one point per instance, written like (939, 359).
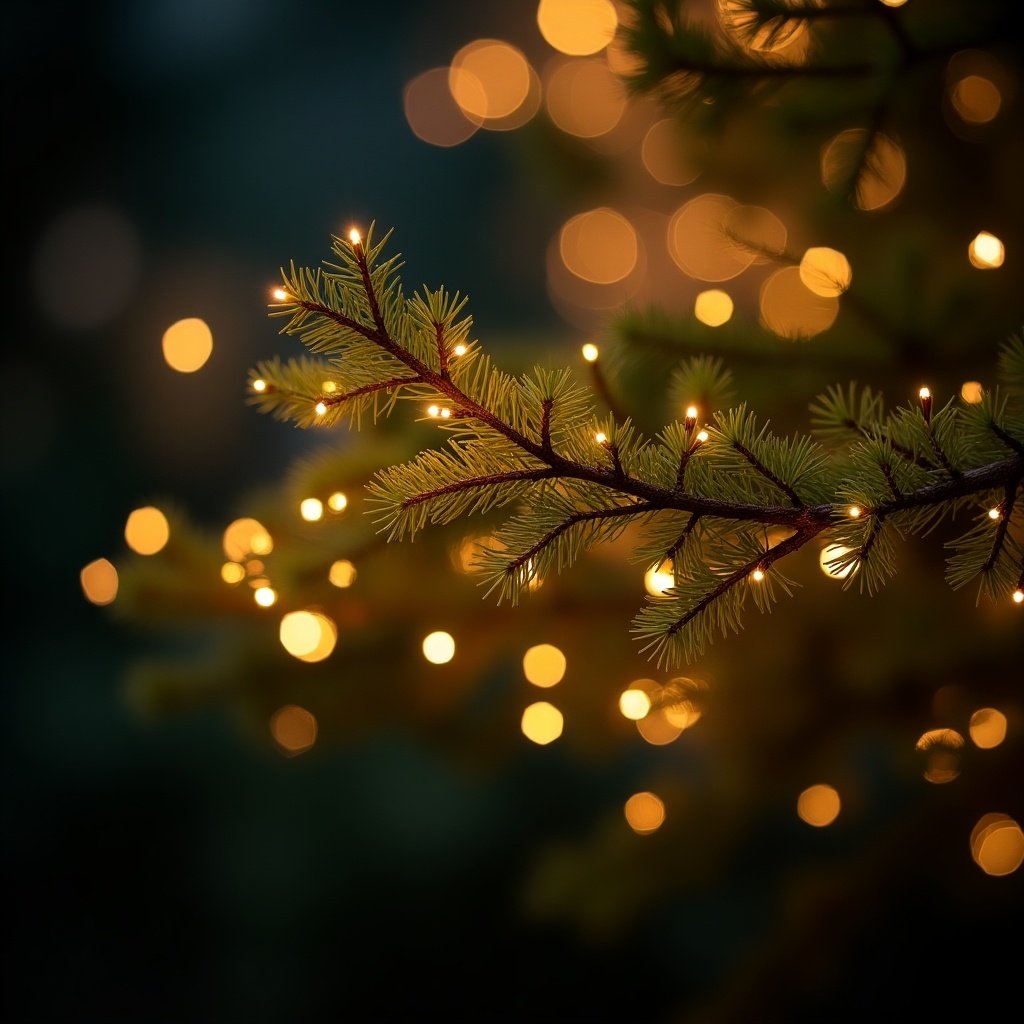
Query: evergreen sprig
(722, 502)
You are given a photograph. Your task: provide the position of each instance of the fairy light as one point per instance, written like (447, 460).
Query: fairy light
(433, 411)
(757, 575)
(354, 237)
(232, 573)
(702, 436)
(986, 251)
(459, 350)
(311, 509)
(279, 294)
(328, 387)
(438, 647)
(259, 384)
(446, 413)
(320, 408)
(634, 704)
(926, 403)
(994, 513)
(265, 597)
(1018, 596)
(590, 352)
(601, 437)
(337, 502)
(855, 511)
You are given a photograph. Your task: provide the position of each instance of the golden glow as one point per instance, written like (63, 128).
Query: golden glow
(994, 513)
(664, 156)
(542, 723)
(713, 307)
(791, 310)
(577, 27)
(976, 99)
(259, 384)
(829, 558)
(459, 350)
(634, 704)
(342, 573)
(943, 759)
(997, 845)
(246, 537)
(656, 729)
(337, 502)
(757, 575)
(320, 408)
(924, 393)
(988, 728)
(818, 805)
(445, 412)
(645, 813)
(1018, 596)
(826, 272)
(278, 294)
(757, 230)
(489, 80)
(703, 436)
(599, 246)
(544, 665)
(659, 578)
(986, 252)
(855, 511)
(354, 237)
(232, 572)
(590, 352)
(265, 597)
(439, 647)
(600, 437)
(431, 110)
(293, 729)
(147, 530)
(786, 39)
(585, 98)
(187, 344)
(692, 412)
(311, 509)
(433, 411)
(972, 392)
(893, 3)
(99, 581)
(884, 171)
(328, 387)
(699, 241)
(307, 635)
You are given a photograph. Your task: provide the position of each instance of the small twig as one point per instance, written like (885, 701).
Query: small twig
(768, 474)
(1011, 442)
(1002, 527)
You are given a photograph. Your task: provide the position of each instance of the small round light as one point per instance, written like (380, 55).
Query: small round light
(439, 647)
(590, 352)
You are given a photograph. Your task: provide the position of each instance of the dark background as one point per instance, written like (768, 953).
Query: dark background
(175, 870)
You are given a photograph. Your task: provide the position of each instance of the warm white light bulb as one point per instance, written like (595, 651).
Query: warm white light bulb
(703, 436)
(354, 237)
(259, 384)
(691, 412)
(445, 413)
(459, 350)
(854, 511)
(265, 596)
(590, 352)
(600, 437)
(320, 408)
(1018, 596)
(279, 294)
(758, 575)
(924, 393)
(994, 513)
(434, 411)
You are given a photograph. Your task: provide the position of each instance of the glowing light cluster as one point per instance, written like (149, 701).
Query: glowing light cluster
(342, 573)
(792, 310)
(976, 99)
(659, 579)
(147, 530)
(634, 704)
(311, 509)
(187, 345)
(833, 554)
(972, 392)
(337, 502)
(645, 813)
(245, 537)
(825, 271)
(665, 157)
(544, 665)
(308, 635)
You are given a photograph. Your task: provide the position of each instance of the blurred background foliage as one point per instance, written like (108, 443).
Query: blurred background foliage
(200, 825)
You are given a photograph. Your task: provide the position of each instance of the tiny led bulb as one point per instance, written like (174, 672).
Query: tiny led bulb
(924, 394)
(758, 575)
(459, 350)
(354, 237)
(445, 413)
(434, 411)
(259, 384)
(994, 513)
(702, 436)
(264, 596)
(279, 294)
(1018, 596)
(854, 511)
(600, 437)
(590, 352)
(691, 413)
(320, 408)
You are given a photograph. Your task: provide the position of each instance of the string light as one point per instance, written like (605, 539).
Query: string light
(433, 411)
(691, 413)
(446, 413)
(459, 350)
(758, 575)
(320, 408)
(337, 502)
(926, 403)
(590, 352)
(439, 647)
(645, 813)
(600, 437)
(994, 513)
(279, 294)
(311, 509)
(986, 251)
(259, 384)
(1018, 596)
(354, 237)
(854, 511)
(702, 436)
(265, 597)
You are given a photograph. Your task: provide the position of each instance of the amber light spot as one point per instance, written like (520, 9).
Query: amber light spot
(665, 155)
(246, 537)
(308, 635)
(439, 647)
(431, 110)
(585, 99)
(544, 665)
(99, 581)
(645, 813)
(634, 704)
(883, 169)
(577, 27)
(997, 844)
(988, 728)
(342, 573)
(818, 805)
(599, 246)
(791, 310)
(293, 729)
(986, 251)
(542, 723)
(489, 80)
(187, 344)
(147, 530)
